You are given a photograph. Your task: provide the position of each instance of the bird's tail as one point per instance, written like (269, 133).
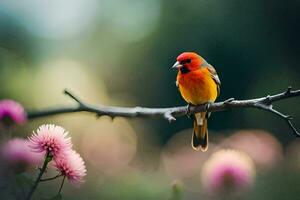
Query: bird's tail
(200, 133)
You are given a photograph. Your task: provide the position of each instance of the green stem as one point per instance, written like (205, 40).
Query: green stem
(52, 178)
(62, 183)
(42, 170)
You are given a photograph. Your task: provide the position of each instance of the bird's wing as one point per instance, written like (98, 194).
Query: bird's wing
(214, 76)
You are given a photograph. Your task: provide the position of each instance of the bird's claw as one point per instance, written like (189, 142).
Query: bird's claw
(188, 113)
(207, 106)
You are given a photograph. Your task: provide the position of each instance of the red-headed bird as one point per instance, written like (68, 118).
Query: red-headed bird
(198, 83)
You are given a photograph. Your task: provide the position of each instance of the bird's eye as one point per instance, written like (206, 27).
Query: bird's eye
(185, 61)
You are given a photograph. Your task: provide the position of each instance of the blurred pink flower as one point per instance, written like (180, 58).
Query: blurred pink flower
(228, 171)
(265, 150)
(12, 111)
(179, 160)
(293, 155)
(50, 138)
(18, 155)
(72, 166)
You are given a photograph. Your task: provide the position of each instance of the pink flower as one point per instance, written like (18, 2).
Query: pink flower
(50, 138)
(72, 166)
(12, 111)
(228, 171)
(17, 154)
(253, 142)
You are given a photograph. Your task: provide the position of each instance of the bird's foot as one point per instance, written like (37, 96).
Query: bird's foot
(188, 113)
(207, 106)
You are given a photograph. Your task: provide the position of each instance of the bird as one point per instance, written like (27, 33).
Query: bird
(198, 83)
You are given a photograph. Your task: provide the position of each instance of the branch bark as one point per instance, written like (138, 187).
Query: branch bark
(170, 114)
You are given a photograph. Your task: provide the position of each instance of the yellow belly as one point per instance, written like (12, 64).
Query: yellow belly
(197, 88)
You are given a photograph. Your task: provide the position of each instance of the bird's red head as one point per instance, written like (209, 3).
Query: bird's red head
(188, 61)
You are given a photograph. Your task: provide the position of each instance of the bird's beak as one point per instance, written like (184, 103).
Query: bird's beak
(176, 65)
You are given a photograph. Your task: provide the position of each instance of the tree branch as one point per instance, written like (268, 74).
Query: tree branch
(170, 114)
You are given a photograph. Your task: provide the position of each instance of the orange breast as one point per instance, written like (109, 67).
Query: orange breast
(197, 87)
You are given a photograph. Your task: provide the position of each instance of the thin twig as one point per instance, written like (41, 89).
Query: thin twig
(170, 114)
(61, 185)
(43, 169)
(52, 178)
(72, 96)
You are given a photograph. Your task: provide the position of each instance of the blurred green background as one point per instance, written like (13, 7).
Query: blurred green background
(120, 53)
